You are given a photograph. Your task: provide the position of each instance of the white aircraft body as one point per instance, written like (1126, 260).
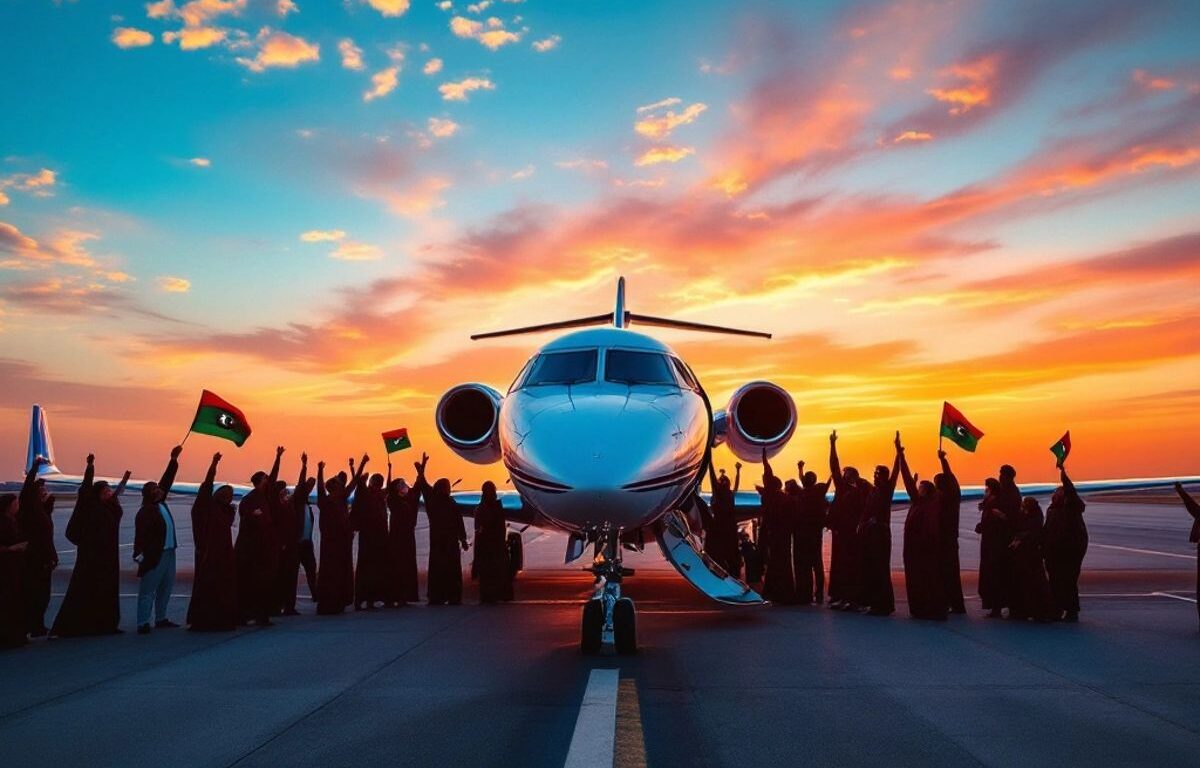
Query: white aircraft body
(606, 435)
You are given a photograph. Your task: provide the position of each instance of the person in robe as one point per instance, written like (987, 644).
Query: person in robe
(256, 549)
(721, 529)
(779, 582)
(878, 597)
(368, 516)
(923, 579)
(995, 530)
(1193, 508)
(403, 504)
(34, 519)
(1029, 596)
(810, 520)
(92, 605)
(447, 539)
(751, 558)
(307, 554)
(845, 557)
(1064, 545)
(951, 495)
(491, 548)
(154, 544)
(287, 531)
(335, 573)
(13, 630)
(214, 603)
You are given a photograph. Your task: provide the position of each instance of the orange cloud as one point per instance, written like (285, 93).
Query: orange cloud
(432, 67)
(660, 126)
(459, 90)
(383, 82)
(196, 38)
(322, 235)
(912, 136)
(172, 284)
(491, 35)
(352, 250)
(390, 8)
(547, 44)
(351, 54)
(665, 154)
(442, 127)
(280, 50)
(131, 37)
(969, 85)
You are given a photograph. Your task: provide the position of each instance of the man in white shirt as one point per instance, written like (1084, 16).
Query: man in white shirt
(154, 543)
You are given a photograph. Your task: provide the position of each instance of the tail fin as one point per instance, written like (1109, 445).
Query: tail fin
(40, 444)
(620, 318)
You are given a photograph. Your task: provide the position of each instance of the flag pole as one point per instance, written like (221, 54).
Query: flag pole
(185, 437)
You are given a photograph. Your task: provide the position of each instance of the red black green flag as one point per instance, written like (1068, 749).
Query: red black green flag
(1062, 449)
(220, 418)
(958, 430)
(396, 440)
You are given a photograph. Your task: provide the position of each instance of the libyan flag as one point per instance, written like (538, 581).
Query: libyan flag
(219, 418)
(1062, 449)
(958, 430)
(396, 440)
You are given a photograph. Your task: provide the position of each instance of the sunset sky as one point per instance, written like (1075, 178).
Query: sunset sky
(307, 206)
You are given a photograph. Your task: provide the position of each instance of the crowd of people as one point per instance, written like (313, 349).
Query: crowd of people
(1029, 563)
(253, 578)
(1029, 560)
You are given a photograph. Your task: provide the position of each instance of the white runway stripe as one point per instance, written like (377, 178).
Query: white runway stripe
(1142, 551)
(595, 738)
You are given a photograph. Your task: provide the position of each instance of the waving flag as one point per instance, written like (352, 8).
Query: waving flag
(1062, 449)
(396, 440)
(958, 430)
(220, 418)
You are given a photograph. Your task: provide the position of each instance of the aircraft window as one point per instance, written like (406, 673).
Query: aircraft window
(521, 376)
(628, 367)
(686, 375)
(575, 367)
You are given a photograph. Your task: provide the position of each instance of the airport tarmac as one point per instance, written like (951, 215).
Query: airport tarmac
(506, 685)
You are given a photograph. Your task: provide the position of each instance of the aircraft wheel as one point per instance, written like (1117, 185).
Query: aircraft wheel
(592, 631)
(516, 554)
(625, 627)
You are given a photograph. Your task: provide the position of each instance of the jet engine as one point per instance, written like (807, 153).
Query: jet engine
(468, 418)
(759, 415)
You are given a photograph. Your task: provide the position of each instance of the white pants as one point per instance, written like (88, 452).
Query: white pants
(154, 590)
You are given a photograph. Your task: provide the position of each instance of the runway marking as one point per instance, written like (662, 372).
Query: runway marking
(594, 740)
(1175, 597)
(631, 739)
(1143, 551)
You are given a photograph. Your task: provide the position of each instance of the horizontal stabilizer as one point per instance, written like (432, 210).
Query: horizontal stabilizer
(678, 548)
(562, 324)
(666, 322)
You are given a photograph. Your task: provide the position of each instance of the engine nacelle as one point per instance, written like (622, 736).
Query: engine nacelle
(468, 419)
(759, 415)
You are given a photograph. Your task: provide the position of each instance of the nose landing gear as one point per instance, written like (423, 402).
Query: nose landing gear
(608, 618)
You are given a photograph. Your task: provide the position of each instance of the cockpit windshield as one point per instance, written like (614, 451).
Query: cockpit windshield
(574, 367)
(625, 366)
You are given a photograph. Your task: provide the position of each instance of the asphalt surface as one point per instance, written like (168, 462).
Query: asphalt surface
(503, 685)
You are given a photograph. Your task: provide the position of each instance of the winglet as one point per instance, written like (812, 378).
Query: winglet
(40, 443)
(619, 310)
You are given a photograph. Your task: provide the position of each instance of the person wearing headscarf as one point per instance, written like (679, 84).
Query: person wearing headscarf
(92, 605)
(288, 520)
(257, 548)
(878, 596)
(403, 504)
(810, 520)
(214, 603)
(950, 494)
(335, 580)
(36, 523)
(1029, 596)
(491, 548)
(1064, 546)
(779, 582)
(368, 516)
(923, 582)
(845, 557)
(995, 530)
(447, 539)
(721, 529)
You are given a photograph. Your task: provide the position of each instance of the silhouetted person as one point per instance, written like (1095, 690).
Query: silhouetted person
(951, 497)
(1065, 544)
(878, 596)
(92, 605)
(369, 517)
(306, 553)
(995, 530)
(1029, 597)
(845, 557)
(214, 603)
(721, 530)
(491, 548)
(447, 539)
(13, 632)
(36, 525)
(923, 579)
(335, 575)
(257, 548)
(403, 504)
(154, 543)
(287, 530)
(810, 519)
(751, 558)
(779, 583)
(1193, 508)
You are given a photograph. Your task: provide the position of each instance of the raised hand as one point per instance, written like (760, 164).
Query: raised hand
(364, 461)
(125, 477)
(304, 459)
(279, 450)
(91, 459)
(321, 465)
(737, 465)
(941, 454)
(176, 451)
(216, 458)
(899, 445)
(833, 436)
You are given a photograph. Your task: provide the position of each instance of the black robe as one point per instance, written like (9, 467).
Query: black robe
(877, 592)
(402, 541)
(1193, 509)
(92, 605)
(36, 525)
(779, 582)
(924, 583)
(951, 496)
(13, 632)
(1065, 544)
(995, 530)
(369, 518)
(214, 603)
(845, 556)
(335, 585)
(721, 532)
(809, 527)
(446, 535)
(491, 553)
(1029, 597)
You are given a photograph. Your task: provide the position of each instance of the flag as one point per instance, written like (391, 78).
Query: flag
(220, 418)
(396, 440)
(958, 430)
(1062, 449)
